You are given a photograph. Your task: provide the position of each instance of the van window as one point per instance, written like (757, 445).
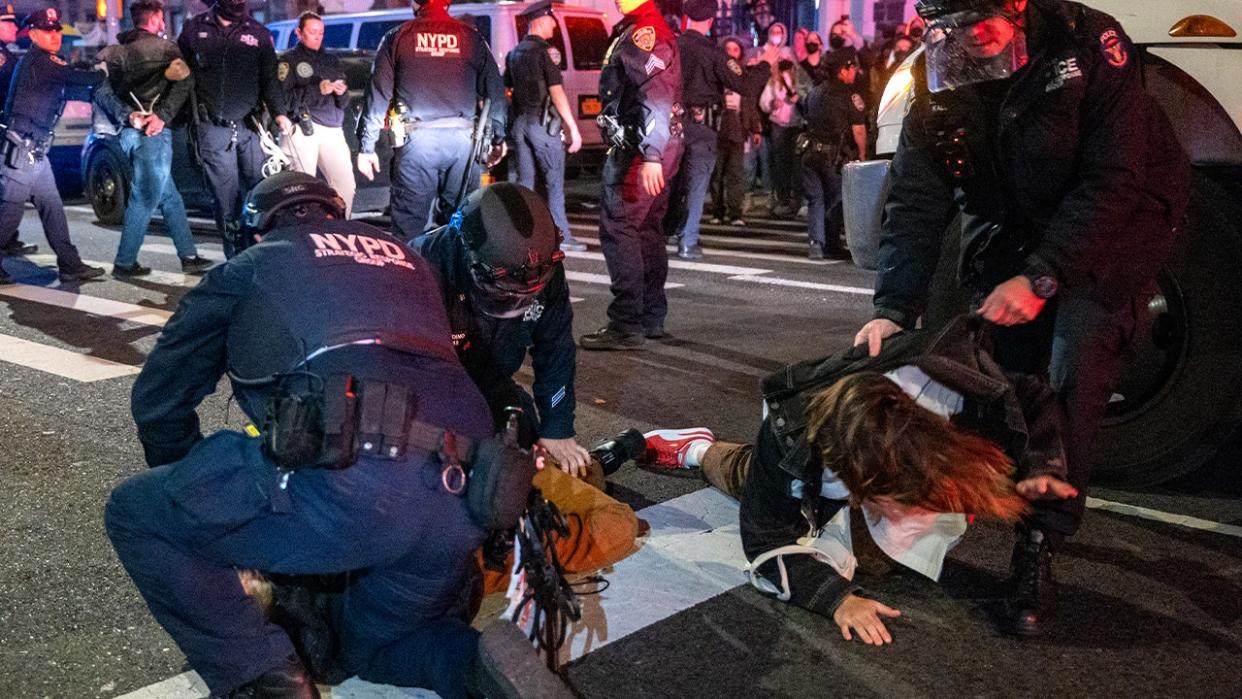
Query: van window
(335, 35)
(589, 39)
(557, 41)
(370, 33)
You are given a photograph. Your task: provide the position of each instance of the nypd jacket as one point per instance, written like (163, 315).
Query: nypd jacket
(640, 83)
(268, 309)
(706, 70)
(136, 68)
(493, 349)
(440, 67)
(300, 71)
(234, 67)
(1069, 170)
(37, 92)
(1016, 411)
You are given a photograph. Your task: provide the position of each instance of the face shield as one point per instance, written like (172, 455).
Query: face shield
(502, 293)
(970, 47)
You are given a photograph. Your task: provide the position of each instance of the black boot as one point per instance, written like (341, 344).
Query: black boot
(1032, 591)
(289, 680)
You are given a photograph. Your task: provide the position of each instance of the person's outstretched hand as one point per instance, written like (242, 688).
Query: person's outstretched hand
(863, 616)
(1045, 488)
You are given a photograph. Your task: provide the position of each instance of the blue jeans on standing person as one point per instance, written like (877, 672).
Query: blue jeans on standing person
(152, 187)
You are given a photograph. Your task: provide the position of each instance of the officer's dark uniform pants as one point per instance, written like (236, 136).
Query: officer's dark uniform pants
(728, 187)
(35, 182)
(183, 530)
(1078, 341)
(427, 177)
(694, 176)
(231, 170)
(540, 159)
(822, 183)
(632, 237)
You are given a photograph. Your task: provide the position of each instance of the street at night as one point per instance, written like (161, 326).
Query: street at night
(1150, 589)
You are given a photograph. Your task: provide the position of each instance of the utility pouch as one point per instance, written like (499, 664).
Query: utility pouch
(802, 143)
(309, 422)
(500, 480)
(17, 151)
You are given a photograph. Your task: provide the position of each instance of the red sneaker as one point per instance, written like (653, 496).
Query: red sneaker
(667, 448)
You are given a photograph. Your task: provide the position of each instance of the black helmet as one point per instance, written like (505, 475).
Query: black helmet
(934, 9)
(513, 247)
(283, 190)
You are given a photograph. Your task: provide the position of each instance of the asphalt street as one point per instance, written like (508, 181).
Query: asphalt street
(1149, 607)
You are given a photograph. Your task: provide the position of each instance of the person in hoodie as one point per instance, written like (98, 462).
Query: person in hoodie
(739, 124)
(780, 102)
(147, 86)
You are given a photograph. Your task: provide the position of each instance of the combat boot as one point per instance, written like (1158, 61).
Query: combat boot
(1032, 593)
(288, 680)
(610, 338)
(507, 667)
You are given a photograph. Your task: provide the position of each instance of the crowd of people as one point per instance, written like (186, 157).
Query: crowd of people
(392, 452)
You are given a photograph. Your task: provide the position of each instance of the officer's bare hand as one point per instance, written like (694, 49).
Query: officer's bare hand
(284, 124)
(575, 140)
(368, 165)
(497, 154)
(651, 175)
(154, 125)
(1012, 303)
(863, 616)
(339, 87)
(325, 87)
(874, 333)
(567, 453)
(1045, 488)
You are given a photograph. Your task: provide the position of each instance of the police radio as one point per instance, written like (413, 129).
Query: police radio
(305, 123)
(394, 121)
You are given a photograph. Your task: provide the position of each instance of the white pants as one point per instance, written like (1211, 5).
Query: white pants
(325, 150)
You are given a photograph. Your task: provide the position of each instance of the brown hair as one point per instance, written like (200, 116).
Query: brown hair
(142, 10)
(882, 444)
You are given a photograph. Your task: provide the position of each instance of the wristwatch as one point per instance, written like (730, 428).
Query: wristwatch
(1044, 286)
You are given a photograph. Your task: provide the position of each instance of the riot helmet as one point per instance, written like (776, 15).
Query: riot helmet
(972, 41)
(289, 194)
(512, 245)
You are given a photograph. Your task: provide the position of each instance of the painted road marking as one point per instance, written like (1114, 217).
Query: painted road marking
(87, 304)
(717, 252)
(683, 264)
(818, 286)
(588, 278)
(170, 249)
(155, 277)
(61, 362)
(1206, 525)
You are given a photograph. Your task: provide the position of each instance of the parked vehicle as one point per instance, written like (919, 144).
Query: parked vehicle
(1179, 398)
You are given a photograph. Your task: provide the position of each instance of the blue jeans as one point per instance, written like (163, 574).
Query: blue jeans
(151, 186)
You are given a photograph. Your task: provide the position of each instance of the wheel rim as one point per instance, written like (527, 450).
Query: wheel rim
(1156, 355)
(105, 186)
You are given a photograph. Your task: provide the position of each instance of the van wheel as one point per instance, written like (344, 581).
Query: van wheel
(1179, 396)
(107, 186)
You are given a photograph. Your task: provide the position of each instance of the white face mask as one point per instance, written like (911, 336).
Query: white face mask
(776, 39)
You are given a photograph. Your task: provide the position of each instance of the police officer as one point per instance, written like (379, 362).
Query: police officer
(366, 418)
(317, 96)
(706, 72)
(640, 86)
(233, 59)
(1031, 115)
(433, 170)
(540, 115)
(32, 108)
(8, 35)
(836, 132)
(506, 295)
(148, 83)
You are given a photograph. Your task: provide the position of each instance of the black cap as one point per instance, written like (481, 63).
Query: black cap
(699, 10)
(538, 9)
(7, 14)
(836, 60)
(47, 19)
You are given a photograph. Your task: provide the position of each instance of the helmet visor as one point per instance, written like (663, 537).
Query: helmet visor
(499, 302)
(964, 48)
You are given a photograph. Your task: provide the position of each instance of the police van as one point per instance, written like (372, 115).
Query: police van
(1179, 398)
(581, 40)
(106, 172)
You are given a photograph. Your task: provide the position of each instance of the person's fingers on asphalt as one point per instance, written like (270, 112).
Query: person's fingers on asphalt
(865, 634)
(845, 632)
(885, 610)
(880, 631)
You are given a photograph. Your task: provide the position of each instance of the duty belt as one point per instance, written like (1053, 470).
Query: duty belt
(445, 123)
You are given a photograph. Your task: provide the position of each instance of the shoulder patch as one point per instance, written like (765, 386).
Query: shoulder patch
(1113, 48)
(858, 102)
(249, 40)
(735, 67)
(282, 71)
(555, 54)
(57, 60)
(305, 70)
(645, 37)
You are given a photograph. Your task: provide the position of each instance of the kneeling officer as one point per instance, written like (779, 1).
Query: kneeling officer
(373, 443)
